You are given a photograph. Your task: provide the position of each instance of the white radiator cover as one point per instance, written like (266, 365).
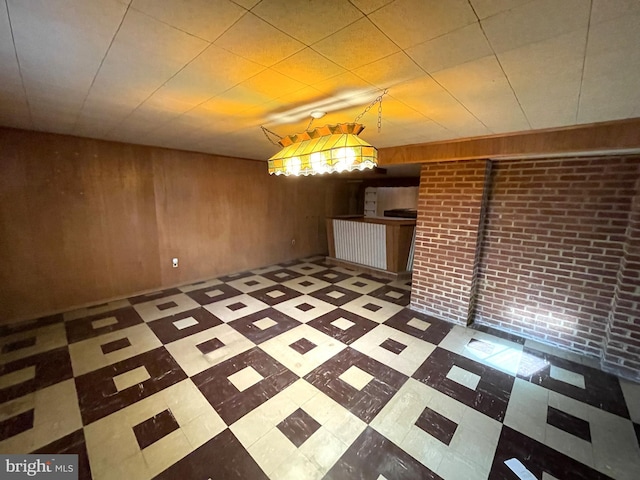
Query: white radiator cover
(361, 242)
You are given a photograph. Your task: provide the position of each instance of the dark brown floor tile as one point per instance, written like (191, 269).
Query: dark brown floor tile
(498, 333)
(232, 404)
(330, 276)
(221, 458)
(166, 306)
(325, 324)
(491, 395)
(99, 397)
(298, 427)
(281, 275)
(396, 295)
(73, 443)
(155, 428)
(570, 424)
(167, 332)
(236, 276)
(367, 402)
(247, 325)
(303, 346)
(210, 345)
(436, 425)
(435, 333)
(6, 330)
(602, 389)
(372, 456)
(147, 297)
(375, 278)
(115, 345)
(275, 294)
(83, 328)
(214, 293)
(537, 458)
(393, 346)
(12, 426)
(18, 345)
(51, 367)
(335, 295)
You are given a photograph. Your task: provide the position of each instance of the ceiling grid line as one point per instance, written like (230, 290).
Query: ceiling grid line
(515, 95)
(15, 50)
(584, 61)
(93, 80)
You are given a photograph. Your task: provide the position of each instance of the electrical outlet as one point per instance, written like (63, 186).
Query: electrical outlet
(293, 242)
(175, 263)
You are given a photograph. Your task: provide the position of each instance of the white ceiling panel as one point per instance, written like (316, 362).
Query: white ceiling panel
(483, 89)
(207, 19)
(546, 77)
(308, 22)
(535, 21)
(205, 74)
(410, 22)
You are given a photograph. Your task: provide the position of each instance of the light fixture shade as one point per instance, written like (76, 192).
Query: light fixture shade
(327, 149)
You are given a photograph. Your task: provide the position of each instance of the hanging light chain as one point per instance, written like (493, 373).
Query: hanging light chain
(378, 100)
(266, 132)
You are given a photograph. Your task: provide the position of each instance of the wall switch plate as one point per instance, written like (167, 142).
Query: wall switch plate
(175, 263)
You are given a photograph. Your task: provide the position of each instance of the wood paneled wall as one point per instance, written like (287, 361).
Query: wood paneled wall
(82, 221)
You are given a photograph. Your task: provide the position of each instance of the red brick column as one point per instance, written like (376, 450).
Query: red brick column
(622, 344)
(448, 234)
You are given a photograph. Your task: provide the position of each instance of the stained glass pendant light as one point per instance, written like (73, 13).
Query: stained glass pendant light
(326, 149)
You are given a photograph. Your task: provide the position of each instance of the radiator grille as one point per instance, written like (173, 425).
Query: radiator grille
(361, 242)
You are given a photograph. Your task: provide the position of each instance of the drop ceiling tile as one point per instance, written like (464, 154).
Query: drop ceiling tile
(454, 48)
(483, 89)
(308, 66)
(62, 43)
(409, 22)
(433, 101)
(604, 10)
(346, 88)
(206, 19)
(612, 68)
(546, 78)
(211, 73)
(389, 71)
(488, 8)
(256, 40)
(308, 22)
(534, 22)
(368, 6)
(359, 44)
(272, 84)
(248, 4)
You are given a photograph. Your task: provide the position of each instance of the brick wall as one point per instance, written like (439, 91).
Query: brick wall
(448, 232)
(553, 243)
(622, 344)
(559, 255)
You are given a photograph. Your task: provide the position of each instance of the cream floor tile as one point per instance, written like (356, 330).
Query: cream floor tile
(223, 312)
(296, 467)
(46, 338)
(112, 445)
(193, 361)
(271, 450)
(527, 409)
(96, 310)
(631, 392)
(56, 414)
(251, 283)
(200, 285)
(150, 310)
(385, 311)
(17, 376)
(407, 361)
(302, 363)
(359, 285)
(87, 355)
(290, 308)
(504, 355)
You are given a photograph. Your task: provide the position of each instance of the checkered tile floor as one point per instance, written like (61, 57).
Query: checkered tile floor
(305, 371)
